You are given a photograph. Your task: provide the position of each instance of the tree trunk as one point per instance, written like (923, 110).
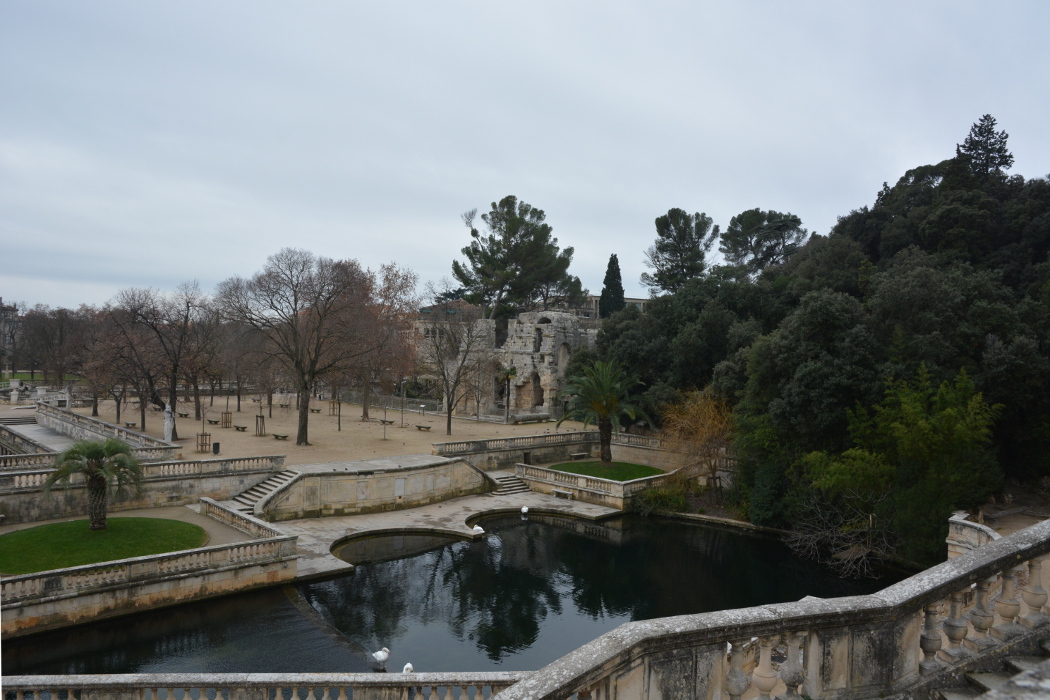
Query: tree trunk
(117, 400)
(196, 400)
(605, 438)
(142, 412)
(238, 394)
(304, 415)
(94, 406)
(96, 486)
(365, 392)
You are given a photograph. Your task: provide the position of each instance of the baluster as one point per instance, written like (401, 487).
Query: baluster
(736, 680)
(1034, 595)
(955, 628)
(981, 617)
(1008, 606)
(764, 677)
(930, 641)
(342, 693)
(791, 671)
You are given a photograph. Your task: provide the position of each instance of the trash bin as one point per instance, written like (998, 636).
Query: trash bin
(215, 448)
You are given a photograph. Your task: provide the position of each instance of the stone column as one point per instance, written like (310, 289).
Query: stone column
(791, 670)
(982, 618)
(1034, 595)
(1008, 606)
(764, 677)
(930, 641)
(955, 628)
(736, 680)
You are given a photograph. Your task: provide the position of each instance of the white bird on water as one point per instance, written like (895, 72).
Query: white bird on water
(408, 669)
(524, 510)
(381, 656)
(478, 530)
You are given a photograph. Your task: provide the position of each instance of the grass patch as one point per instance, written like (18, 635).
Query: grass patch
(617, 471)
(60, 545)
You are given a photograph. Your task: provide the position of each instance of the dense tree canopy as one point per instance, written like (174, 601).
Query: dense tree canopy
(931, 305)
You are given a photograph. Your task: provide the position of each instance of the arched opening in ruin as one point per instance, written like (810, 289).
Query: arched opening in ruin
(537, 391)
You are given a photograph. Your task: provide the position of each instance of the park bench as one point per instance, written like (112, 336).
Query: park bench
(562, 492)
(315, 410)
(279, 437)
(128, 424)
(285, 405)
(213, 422)
(423, 427)
(183, 415)
(241, 428)
(386, 422)
(578, 455)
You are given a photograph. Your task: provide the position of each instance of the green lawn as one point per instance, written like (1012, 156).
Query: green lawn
(60, 545)
(617, 471)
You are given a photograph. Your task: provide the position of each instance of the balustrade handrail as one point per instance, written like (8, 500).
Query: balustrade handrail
(27, 586)
(10, 463)
(234, 518)
(162, 470)
(593, 662)
(133, 438)
(527, 441)
(496, 680)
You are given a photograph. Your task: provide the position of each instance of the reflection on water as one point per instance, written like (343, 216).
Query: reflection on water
(525, 595)
(532, 591)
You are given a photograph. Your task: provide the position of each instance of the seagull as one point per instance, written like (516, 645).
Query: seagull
(478, 530)
(524, 510)
(408, 669)
(381, 656)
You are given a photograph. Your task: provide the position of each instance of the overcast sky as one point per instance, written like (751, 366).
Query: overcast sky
(151, 143)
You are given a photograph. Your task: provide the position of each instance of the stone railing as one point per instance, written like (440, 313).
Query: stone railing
(965, 535)
(891, 642)
(466, 447)
(81, 580)
(233, 518)
(262, 686)
(80, 427)
(590, 489)
(20, 443)
(27, 461)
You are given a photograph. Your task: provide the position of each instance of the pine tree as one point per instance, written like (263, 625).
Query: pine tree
(611, 299)
(985, 149)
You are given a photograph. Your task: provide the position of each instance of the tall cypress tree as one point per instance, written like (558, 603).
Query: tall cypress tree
(611, 299)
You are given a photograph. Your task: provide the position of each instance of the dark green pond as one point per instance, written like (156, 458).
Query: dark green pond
(527, 594)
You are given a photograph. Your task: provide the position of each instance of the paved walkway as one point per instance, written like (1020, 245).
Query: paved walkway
(218, 532)
(317, 535)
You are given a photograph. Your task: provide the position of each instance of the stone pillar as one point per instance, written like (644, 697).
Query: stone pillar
(736, 680)
(764, 677)
(955, 628)
(791, 670)
(982, 617)
(930, 641)
(1008, 606)
(1034, 595)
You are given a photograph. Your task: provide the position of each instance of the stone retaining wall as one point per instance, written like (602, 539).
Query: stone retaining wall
(319, 494)
(164, 484)
(62, 597)
(589, 489)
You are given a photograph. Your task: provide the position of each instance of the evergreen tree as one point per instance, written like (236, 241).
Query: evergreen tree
(677, 256)
(611, 299)
(984, 150)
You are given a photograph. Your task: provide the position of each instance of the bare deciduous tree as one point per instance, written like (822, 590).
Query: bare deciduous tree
(449, 338)
(306, 308)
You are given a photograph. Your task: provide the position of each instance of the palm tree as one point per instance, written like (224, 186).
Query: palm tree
(103, 464)
(601, 397)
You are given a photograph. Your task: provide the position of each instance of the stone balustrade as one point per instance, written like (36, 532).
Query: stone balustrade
(894, 641)
(80, 427)
(27, 461)
(244, 523)
(79, 580)
(590, 489)
(263, 686)
(466, 447)
(965, 535)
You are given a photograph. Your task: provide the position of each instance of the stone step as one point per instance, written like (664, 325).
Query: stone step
(989, 680)
(1020, 664)
(511, 489)
(19, 420)
(954, 693)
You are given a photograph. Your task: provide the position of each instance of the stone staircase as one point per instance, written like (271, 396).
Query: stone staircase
(245, 502)
(997, 683)
(508, 484)
(19, 420)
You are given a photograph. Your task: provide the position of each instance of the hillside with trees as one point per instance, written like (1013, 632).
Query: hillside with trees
(884, 374)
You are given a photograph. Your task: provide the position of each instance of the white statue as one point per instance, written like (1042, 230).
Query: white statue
(169, 422)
